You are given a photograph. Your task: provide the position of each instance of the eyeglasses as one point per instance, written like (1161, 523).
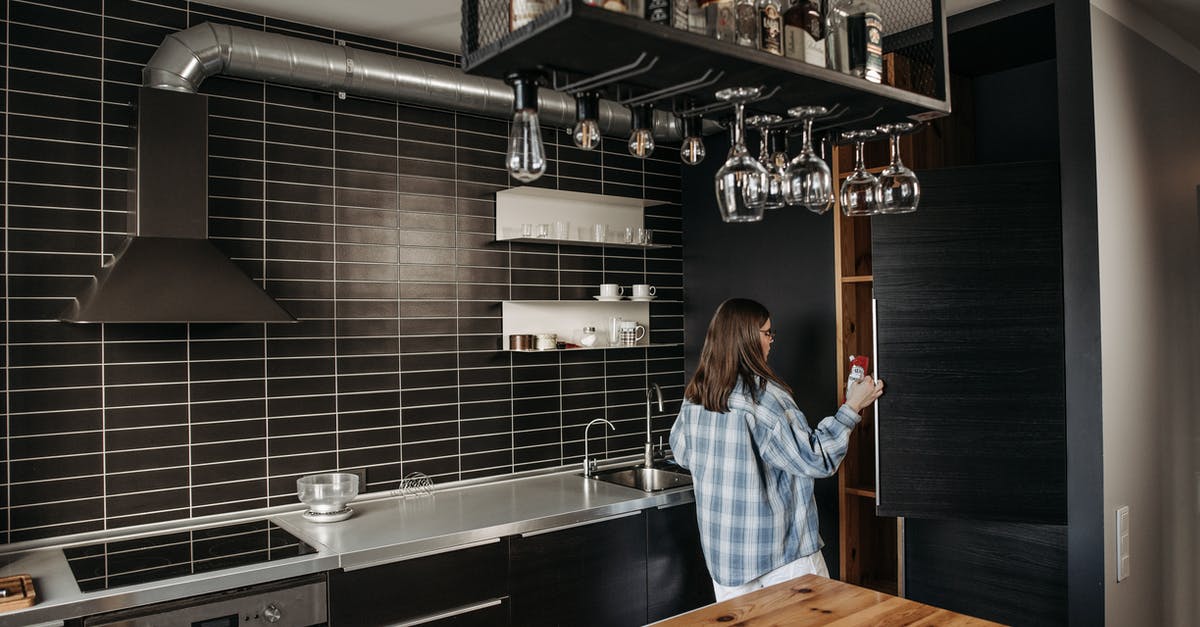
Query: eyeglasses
(769, 333)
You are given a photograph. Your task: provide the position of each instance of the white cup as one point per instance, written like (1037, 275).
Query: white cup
(611, 290)
(642, 290)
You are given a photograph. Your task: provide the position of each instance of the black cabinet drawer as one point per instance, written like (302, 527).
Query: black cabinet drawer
(404, 591)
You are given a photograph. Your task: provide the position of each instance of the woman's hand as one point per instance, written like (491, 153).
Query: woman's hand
(861, 393)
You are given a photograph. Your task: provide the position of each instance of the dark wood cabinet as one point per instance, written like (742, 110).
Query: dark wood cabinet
(677, 579)
(460, 587)
(590, 574)
(969, 333)
(972, 426)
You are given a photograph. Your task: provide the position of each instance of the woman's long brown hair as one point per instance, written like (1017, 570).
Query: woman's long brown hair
(732, 351)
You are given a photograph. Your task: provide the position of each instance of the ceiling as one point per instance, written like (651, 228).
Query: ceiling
(434, 24)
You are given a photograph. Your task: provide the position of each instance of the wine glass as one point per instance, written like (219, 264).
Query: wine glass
(742, 181)
(773, 197)
(899, 189)
(807, 181)
(860, 190)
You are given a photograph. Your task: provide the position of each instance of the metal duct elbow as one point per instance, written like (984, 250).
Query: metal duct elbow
(189, 56)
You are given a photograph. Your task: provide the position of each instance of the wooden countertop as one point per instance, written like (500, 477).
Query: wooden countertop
(816, 600)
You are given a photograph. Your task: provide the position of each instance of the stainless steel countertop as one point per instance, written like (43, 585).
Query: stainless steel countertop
(383, 529)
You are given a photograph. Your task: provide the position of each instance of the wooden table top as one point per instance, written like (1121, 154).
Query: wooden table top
(816, 600)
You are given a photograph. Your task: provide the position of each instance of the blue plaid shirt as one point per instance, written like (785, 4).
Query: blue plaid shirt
(753, 470)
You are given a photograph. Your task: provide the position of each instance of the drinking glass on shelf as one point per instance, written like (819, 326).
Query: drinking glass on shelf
(600, 233)
(773, 194)
(899, 189)
(741, 182)
(860, 190)
(543, 231)
(562, 229)
(807, 180)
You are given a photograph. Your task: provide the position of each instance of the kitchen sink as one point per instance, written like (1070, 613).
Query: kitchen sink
(645, 479)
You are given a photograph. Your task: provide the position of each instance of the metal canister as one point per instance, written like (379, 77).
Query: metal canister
(521, 342)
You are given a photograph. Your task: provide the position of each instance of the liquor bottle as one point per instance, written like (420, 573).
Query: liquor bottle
(697, 17)
(854, 39)
(770, 28)
(804, 31)
(718, 18)
(522, 12)
(679, 13)
(658, 11)
(745, 16)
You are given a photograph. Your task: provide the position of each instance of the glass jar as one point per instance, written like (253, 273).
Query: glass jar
(589, 336)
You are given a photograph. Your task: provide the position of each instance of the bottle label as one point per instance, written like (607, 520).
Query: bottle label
(873, 70)
(658, 11)
(799, 44)
(771, 35)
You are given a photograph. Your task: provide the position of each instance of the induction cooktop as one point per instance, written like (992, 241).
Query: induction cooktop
(151, 558)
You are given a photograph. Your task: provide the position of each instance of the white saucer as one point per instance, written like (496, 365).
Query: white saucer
(642, 299)
(608, 298)
(324, 517)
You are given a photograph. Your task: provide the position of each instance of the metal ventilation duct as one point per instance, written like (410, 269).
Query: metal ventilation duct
(189, 56)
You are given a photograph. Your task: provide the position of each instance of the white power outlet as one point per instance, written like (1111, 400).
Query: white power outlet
(1122, 543)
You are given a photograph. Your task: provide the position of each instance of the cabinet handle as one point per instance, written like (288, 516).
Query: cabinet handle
(584, 523)
(431, 618)
(875, 374)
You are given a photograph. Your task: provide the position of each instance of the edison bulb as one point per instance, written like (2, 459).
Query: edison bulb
(641, 143)
(692, 151)
(526, 155)
(586, 134)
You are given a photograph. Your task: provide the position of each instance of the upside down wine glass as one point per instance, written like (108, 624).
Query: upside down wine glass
(808, 182)
(740, 183)
(860, 190)
(773, 192)
(899, 189)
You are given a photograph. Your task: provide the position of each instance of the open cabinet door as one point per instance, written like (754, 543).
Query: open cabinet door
(969, 326)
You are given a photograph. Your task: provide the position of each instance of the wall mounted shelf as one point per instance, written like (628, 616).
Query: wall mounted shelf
(519, 206)
(578, 39)
(566, 319)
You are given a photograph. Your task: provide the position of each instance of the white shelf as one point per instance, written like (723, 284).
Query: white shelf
(566, 318)
(518, 206)
(579, 242)
(592, 348)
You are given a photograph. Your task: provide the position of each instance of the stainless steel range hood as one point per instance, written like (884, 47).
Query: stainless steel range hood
(168, 271)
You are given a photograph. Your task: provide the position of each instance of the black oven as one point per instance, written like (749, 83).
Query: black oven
(299, 602)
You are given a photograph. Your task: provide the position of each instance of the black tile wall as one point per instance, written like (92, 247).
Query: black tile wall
(370, 221)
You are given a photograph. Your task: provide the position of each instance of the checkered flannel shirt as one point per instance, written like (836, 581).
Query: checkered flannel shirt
(753, 470)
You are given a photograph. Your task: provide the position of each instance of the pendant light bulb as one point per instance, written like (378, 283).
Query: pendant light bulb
(692, 150)
(586, 133)
(641, 140)
(526, 157)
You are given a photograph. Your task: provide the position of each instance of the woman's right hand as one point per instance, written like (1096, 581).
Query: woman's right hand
(860, 394)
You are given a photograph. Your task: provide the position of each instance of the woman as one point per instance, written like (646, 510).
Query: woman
(753, 456)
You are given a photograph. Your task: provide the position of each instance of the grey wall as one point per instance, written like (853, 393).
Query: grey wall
(1147, 169)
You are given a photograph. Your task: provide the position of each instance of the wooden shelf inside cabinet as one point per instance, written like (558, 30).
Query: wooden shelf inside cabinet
(586, 40)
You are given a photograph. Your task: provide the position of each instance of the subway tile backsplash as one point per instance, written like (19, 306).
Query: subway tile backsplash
(370, 221)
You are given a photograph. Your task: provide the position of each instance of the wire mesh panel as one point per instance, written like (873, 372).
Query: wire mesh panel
(911, 46)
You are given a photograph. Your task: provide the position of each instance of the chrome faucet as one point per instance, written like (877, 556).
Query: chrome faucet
(589, 465)
(652, 393)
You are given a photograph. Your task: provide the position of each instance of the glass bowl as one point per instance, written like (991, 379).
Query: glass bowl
(327, 492)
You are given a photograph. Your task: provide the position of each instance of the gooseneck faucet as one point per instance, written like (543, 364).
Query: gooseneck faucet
(589, 465)
(652, 393)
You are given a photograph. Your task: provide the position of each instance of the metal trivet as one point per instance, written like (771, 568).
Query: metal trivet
(326, 517)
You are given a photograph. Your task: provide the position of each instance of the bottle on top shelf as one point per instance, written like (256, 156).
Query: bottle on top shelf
(522, 12)
(657, 11)
(745, 19)
(804, 31)
(713, 18)
(770, 27)
(854, 38)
